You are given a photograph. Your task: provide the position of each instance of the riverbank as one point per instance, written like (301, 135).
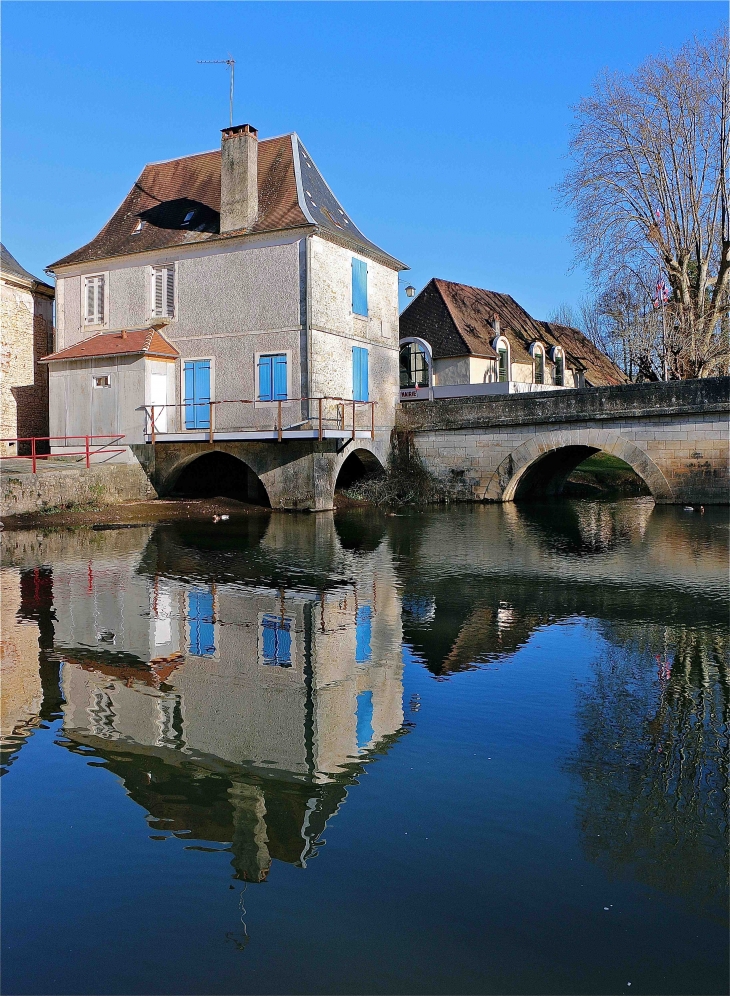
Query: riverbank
(134, 513)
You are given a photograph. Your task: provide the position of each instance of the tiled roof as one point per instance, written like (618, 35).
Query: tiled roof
(166, 192)
(456, 319)
(600, 371)
(11, 267)
(148, 341)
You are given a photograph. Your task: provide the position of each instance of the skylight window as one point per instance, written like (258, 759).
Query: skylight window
(188, 217)
(138, 229)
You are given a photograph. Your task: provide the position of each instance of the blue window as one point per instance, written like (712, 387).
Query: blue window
(197, 394)
(272, 377)
(276, 640)
(364, 719)
(360, 374)
(359, 287)
(202, 622)
(363, 633)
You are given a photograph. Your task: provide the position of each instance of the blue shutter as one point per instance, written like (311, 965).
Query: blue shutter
(363, 633)
(276, 640)
(360, 374)
(197, 394)
(364, 719)
(265, 379)
(202, 627)
(189, 395)
(359, 286)
(279, 378)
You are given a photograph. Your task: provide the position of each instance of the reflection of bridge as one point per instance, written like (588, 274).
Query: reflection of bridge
(673, 435)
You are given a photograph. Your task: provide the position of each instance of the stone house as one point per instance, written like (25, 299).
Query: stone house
(243, 269)
(471, 340)
(27, 335)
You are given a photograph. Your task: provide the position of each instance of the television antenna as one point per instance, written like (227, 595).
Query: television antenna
(231, 63)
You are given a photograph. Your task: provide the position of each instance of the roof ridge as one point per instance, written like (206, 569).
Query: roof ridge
(211, 152)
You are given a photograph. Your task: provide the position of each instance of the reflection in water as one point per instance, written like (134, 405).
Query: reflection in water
(652, 760)
(238, 681)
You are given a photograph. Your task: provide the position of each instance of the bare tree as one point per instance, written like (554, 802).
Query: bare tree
(650, 188)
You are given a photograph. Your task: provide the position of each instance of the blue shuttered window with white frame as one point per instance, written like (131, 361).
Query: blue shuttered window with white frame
(360, 387)
(272, 377)
(359, 287)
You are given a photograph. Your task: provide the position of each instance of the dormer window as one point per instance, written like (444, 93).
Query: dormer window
(559, 361)
(501, 345)
(188, 218)
(138, 228)
(538, 355)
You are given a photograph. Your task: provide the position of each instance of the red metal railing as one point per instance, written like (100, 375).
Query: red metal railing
(344, 407)
(90, 447)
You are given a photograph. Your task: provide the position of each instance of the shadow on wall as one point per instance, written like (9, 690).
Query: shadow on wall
(220, 475)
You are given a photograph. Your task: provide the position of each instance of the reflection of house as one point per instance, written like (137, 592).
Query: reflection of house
(27, 335)
(263, 700)
(479, 337)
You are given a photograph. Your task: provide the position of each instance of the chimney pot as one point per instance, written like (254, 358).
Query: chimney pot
(239, 177)
(124, 333)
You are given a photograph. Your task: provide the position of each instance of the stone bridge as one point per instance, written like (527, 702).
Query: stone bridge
(674, 435)
(292, 474)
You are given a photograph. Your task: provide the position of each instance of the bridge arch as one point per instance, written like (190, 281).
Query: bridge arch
(545, 461)
(356, 463)
(216, 473)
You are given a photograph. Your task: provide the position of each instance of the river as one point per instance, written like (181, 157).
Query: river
(471, 750)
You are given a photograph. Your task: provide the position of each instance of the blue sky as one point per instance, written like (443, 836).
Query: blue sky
(442, 127)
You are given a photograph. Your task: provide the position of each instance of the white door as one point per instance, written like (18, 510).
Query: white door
(159, 400)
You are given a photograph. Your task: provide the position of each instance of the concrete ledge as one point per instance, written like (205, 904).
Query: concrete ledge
(660, 400)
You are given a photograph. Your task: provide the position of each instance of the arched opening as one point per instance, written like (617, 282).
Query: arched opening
(358, 465)
(414, 366)
(359, 530)
(220, 475)
(579, 472)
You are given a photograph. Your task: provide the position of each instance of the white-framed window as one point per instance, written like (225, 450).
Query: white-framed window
(504, 365)
(94, 302)
(104, 380)
(162, 292)
(559, 361)
(538, 355)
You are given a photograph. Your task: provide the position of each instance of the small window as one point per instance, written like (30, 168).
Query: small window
(272, 377)
(559, 368)
(539, 358)
(276, 641)
(138, 228)
(163, 291)
(188, 217)
(104, 381)
(94, 300)
(359, 287)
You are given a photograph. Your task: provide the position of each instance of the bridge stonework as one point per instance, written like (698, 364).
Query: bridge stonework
(674, 435)
(296, 474)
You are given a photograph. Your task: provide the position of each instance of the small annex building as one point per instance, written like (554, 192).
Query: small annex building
(453, 335)
(27, 335)
(101, 386)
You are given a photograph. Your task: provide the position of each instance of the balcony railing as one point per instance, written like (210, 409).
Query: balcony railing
(91, 444)
(326, 416)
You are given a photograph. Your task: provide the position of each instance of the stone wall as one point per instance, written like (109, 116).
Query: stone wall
(106, 484)
(674, 435)
(26, 321)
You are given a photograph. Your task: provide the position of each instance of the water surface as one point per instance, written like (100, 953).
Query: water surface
(480, 750)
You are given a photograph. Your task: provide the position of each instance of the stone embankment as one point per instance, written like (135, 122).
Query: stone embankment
(56, 487)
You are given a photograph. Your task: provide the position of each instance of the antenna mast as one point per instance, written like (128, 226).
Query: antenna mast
(231, 63)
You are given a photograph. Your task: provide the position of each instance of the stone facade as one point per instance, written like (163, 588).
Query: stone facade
(27, 335)
(674, 435)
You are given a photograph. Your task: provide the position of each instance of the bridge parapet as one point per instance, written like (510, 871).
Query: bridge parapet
(665, 399)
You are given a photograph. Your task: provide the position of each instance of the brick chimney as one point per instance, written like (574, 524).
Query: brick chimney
(239, 177)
